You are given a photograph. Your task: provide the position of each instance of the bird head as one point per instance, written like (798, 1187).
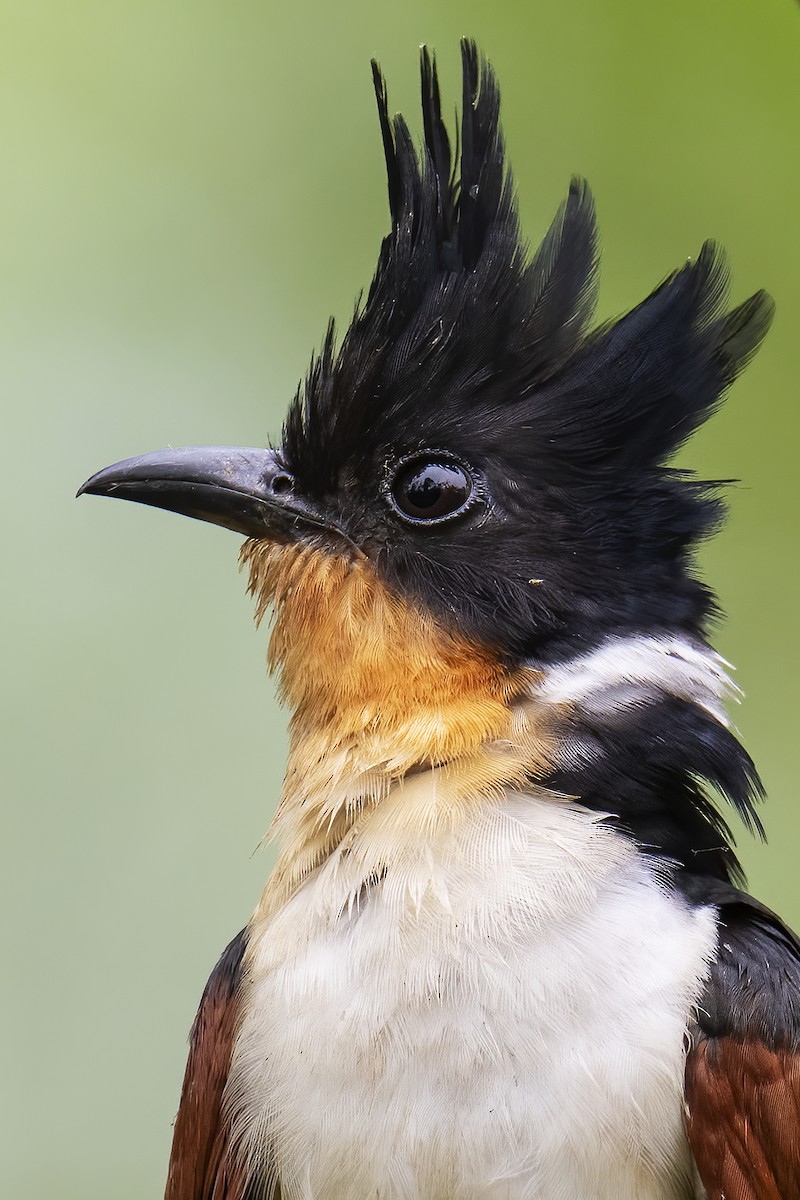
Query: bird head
(472, 485)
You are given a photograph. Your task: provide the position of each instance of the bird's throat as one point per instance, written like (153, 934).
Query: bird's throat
(379, 692)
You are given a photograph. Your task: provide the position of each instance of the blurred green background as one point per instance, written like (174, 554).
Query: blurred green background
(188, 190)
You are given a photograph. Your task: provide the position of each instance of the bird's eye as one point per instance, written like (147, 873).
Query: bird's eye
(430, 489)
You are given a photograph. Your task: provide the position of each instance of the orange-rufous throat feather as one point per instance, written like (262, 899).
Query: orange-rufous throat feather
(380, 691)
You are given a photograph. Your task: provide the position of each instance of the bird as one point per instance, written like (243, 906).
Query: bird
(506, 949)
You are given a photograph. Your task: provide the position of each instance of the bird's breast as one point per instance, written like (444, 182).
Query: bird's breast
(499, 1012)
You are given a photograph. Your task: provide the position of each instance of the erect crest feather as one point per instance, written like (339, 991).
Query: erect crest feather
(459, 216)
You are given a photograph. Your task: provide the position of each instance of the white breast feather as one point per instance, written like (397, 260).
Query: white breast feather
(502, 1015)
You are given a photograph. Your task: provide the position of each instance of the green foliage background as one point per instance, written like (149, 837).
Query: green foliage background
(189, 188)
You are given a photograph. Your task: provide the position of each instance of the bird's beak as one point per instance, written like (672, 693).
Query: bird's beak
(247, 490)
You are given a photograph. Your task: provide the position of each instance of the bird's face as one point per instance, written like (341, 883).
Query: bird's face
(368, 629)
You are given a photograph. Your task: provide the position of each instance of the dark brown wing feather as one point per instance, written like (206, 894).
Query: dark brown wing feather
(743, 1067)
(202, 1164)
(743, 1103)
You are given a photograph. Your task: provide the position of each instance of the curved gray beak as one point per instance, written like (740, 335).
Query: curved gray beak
(243, 489)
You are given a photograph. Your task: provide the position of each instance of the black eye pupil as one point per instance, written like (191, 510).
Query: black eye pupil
(431, 489)
(423, 491)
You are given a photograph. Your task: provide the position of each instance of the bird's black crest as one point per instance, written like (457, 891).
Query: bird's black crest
(452, 293)
(467, 343)
(455, 302)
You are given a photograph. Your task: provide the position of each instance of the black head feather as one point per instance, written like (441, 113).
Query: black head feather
(467, 347)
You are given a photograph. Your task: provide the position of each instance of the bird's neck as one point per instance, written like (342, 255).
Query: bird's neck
(379, 694)
(382, 696)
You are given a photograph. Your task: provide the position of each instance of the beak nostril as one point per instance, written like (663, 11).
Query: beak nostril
(282, 484)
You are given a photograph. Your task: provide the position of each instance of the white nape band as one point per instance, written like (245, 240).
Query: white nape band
(631, 672)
